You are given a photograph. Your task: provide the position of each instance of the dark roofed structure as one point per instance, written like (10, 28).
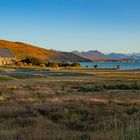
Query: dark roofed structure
(6, 57)
(6, 53)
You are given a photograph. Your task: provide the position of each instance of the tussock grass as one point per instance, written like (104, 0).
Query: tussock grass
(54, 110)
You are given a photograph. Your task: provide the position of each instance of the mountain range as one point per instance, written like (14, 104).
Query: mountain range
(96, 55)
(91, 54)
(23, 50)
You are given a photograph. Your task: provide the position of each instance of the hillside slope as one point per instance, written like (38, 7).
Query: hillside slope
(23, 50)
(67, 56)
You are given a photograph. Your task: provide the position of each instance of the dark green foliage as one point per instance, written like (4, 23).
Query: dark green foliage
(101, 87)
(52, 64)
(34, 61)
(75, 64)
(95, 66)
(63, 64)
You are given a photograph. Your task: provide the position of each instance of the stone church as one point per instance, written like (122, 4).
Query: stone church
(6, 57)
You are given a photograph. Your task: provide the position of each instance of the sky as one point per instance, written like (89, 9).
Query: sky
(67, 25)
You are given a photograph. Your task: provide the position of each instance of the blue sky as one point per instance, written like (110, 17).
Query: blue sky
(104, 25)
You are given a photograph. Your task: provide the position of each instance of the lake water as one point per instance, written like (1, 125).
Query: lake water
(123, 65)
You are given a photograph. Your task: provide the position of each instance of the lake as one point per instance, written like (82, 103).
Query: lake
(123, 65)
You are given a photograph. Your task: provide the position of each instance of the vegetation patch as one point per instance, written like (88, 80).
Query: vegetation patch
(102, 87)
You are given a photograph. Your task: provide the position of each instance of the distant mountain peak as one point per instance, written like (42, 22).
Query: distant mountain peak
(95, 54)
(91, 54)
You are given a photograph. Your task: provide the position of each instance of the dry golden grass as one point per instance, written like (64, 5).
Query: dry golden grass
(2, 98)
(117, 74)
(22, 50)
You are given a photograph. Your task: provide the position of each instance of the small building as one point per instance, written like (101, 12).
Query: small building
(6, 57)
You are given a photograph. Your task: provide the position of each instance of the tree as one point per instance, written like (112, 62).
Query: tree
(95, 66)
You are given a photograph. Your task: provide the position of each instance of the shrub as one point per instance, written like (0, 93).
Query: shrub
(42, 65)
(52, 64)
(75, 64)
(63, 64)
(101, 87)
(30, 64)
(25, 64)
(90, 88)
(34, 61)
(95, 66)
(20, 64)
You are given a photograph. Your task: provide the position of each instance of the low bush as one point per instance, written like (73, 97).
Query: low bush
(63, 64)
(101, 87)
(42, 65)
(75, 64)
(51, 64)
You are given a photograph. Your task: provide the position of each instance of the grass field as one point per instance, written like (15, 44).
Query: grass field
(84, 106)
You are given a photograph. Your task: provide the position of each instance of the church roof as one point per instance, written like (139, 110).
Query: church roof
(6, 53)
